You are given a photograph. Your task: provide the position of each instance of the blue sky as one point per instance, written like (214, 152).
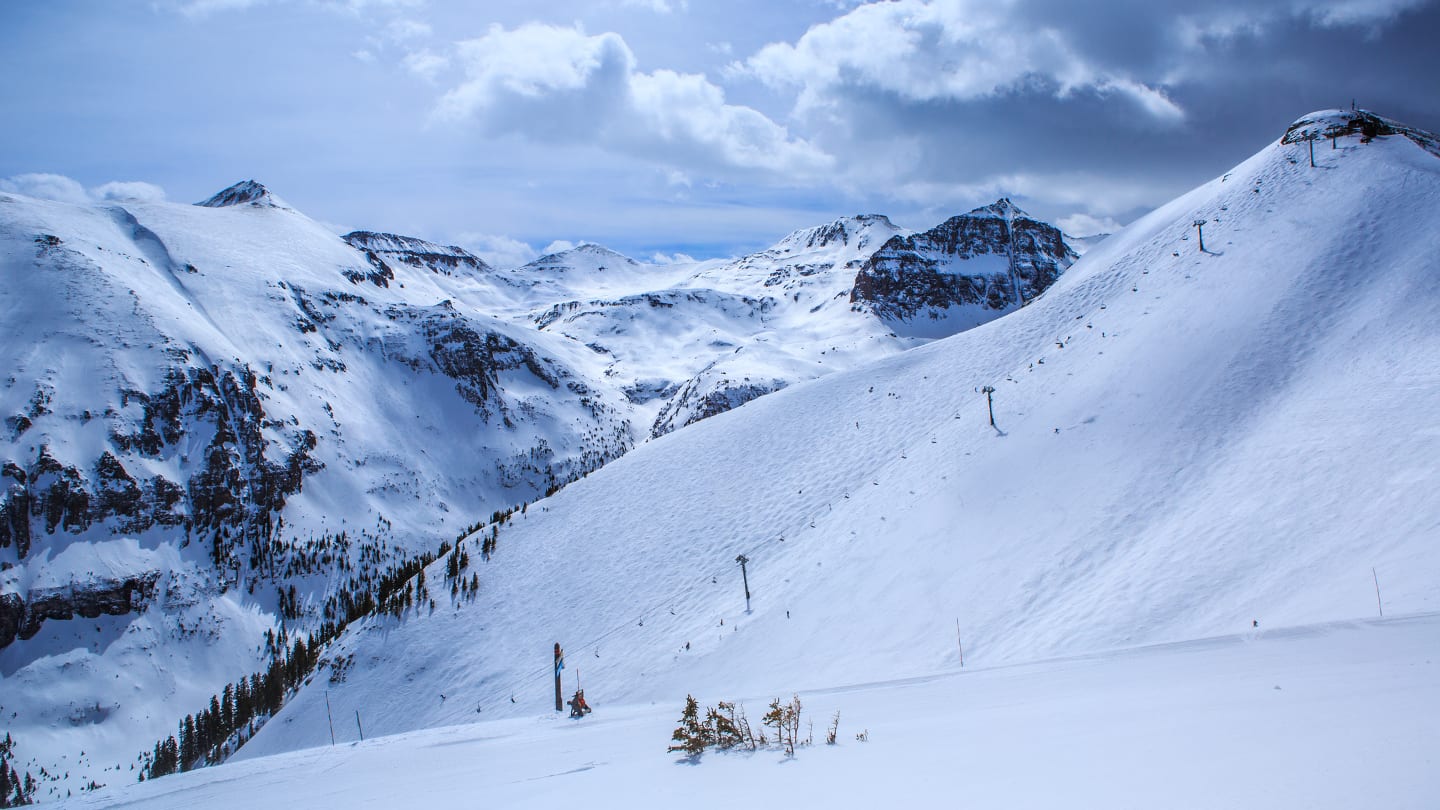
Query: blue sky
(682, 126)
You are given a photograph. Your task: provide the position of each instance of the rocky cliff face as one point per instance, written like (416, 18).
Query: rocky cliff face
(234, 487)
(991, 260)
(23, 617)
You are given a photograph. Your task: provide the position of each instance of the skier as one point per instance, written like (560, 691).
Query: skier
(578, 706)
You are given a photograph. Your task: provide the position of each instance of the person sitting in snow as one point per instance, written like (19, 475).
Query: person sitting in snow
(578, 706)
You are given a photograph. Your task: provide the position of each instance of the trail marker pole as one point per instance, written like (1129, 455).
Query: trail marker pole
(1200, 229)
(1311, 140)
(357, 725)
(1378, 603)
(989, 403)
(559, 665)
(745, 577)
(329, 717)
(960, 643)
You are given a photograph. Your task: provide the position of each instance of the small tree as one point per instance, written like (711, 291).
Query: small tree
(723, 729)
(785, 719)
(691, 736)
(775, 718)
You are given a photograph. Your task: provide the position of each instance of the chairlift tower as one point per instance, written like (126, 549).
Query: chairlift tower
(745, 577)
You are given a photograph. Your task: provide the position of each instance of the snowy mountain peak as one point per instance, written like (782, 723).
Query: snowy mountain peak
(842, 231)
(242, 193)
(1002, 208)
(585, 256)
(1326, 124)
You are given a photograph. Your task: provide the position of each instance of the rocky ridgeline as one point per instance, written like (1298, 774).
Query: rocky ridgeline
(381, 249)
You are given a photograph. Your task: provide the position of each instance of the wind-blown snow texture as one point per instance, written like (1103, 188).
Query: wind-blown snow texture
(1186, 442)
(205, 406)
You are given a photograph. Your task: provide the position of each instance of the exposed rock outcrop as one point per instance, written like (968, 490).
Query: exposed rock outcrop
(929, 273)
(23, 617)
(382, 248)
(245, 192)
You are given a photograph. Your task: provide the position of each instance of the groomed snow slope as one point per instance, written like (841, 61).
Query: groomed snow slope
(1186, 442)
(1333, 716)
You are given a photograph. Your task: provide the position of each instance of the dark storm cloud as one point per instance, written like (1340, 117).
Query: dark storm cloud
(1111, 108)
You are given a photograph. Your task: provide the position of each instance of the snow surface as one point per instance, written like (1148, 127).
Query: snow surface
(1331, 716)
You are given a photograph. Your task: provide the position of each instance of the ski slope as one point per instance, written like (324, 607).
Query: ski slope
(1185, 443)
(1329, 716)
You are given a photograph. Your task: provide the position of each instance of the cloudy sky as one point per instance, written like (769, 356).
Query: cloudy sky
(697, 127)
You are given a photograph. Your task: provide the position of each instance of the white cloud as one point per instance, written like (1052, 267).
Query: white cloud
(562, 85)
(498, 251)
(940, 50)
(1082, 225)
(426, 64)
(60, 188)
(403, 29)
(673, 258)
(1101, 194)
(47, 187)
(132, 190)
(559, 246)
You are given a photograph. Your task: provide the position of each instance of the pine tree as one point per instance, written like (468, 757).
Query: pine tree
(227, 711)
(723, 727)
(690, 736)
(187, 742)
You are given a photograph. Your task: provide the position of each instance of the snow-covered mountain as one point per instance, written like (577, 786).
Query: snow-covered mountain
(964, 271)
(209, 406)
(222, 420)
(1187, 444)
(822, 299)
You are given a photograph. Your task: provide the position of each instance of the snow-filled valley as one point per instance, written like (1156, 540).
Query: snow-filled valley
(1209, 471)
